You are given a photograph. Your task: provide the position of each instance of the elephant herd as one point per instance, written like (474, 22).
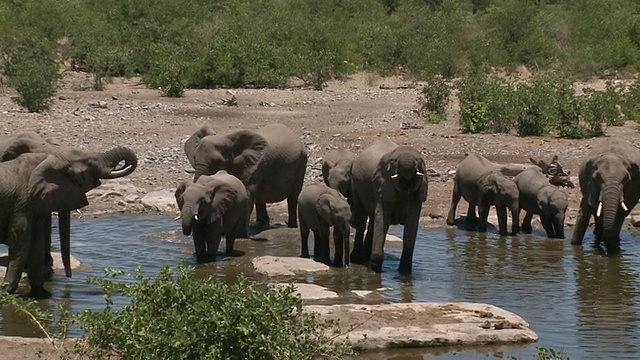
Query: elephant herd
(385, 184)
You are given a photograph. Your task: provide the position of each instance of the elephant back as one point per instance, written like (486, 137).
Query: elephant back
(473, 167)
(283, 145)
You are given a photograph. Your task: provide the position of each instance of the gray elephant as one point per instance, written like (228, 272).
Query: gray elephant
(609, 182)
(481, 184)
(538, 196)
(336, 170)
(212, 207)
(271, 162)
(35, 184)
(320, 208)
(388, 185)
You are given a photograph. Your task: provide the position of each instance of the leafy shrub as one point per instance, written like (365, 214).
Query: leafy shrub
(168, 70)
(176, 316)
(35, 81)
(630, 104)
(434, 100)
(486, 104)
(537, 104)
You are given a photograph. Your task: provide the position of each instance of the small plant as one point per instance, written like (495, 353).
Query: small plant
(35, 82)
(545, 354)
(486, 104)
(434, 100)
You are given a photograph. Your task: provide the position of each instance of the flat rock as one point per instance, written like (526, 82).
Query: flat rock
(411, 325)
(310, 291)
(163, 201)
(277, 266)
(393, 239)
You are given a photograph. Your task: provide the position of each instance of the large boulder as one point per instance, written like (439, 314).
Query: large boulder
(286, 266)
(162, 201)
(406, 325)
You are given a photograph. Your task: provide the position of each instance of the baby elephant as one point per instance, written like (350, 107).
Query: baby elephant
(319, 208)
(537, 196)
(213, 206)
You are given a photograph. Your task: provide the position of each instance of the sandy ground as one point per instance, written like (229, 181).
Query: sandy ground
(348, 114)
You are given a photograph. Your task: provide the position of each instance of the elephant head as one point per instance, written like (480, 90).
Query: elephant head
(502, 192)
(237, 153)
(336, 170)
(337, 212)
(60, 182)
(553, 205)
(27, 142)
(554, 172)
(406, 172)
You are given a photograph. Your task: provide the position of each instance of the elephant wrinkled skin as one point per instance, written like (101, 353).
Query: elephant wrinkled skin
(336, 170)
(212, 207)
(609, 183)
(35, 184)
(479, 182)
(538, 196)
(270, 162)
(320, 208)
(388, 185)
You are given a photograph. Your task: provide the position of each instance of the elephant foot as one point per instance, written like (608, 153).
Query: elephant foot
(356, 258)
(337, 263)
(451, 221)
(206, 258)
(376, 264)
(261, 226)
(404, 270)
(38, 292)
(48, 273)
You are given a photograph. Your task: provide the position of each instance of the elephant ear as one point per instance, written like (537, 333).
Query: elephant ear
(324, 208)
(191, 145)
(59, 185)
(248, 149)
(182, 186)
(223, 197)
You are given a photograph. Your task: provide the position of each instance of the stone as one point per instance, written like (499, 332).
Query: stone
(393, 239)
(288, 266)
(162, 201)
(411, 325)
(310, 291)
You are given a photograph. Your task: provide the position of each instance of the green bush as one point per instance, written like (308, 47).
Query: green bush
(537, 105)
(630, 104)
(168, 70)
(434, 100)
(486, 104)
(177, 316)
(35, 81)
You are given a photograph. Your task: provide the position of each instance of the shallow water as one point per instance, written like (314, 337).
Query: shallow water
(577, 299)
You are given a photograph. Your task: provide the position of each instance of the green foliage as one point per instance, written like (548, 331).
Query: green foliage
(434, 100)
(546, 354)
(168, 70)
(630, 104)
(35, 81)
(486, 104)
(537, 104)
(176, 316)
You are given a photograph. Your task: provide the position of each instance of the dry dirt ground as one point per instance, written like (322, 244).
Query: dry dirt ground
(349, 113)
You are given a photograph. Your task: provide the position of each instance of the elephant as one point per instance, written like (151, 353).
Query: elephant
(319, 208)
(609, 177)
(538, 196)
(481, 184)
(336, 170)
(213, 206)
(35, 184)
(388, 185)
(271, 162)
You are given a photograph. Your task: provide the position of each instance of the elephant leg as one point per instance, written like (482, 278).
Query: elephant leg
(582, 221)
(292, 199)
(18, 235)
(321, 246)
(381, 222)
(243, 230)
(526, 222)
(472, 218)
(340, 248)
(455, 199)
(213, 239)
(48, 259)
(547, 224)
(483, 211)
(304, 240)
(199, 242)
(368, 240)
(359, 223)
(502, 220)
(409, 234)
(262, 218)
(230, 239)
(37, 251)
(292, 205)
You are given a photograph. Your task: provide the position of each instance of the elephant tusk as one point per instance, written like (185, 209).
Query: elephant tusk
(78, 211)
(419, 173)
(196, 217)
(394, 176)
(177, 218)
(624, 206)
(599, 211)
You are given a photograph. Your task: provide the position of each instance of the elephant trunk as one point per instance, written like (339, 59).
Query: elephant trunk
(187, 218)
(200, 169)
(610, 202)
(64, 225)
(111, 158)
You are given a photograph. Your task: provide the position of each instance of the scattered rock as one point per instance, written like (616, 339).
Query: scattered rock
(162, 201)
(278, 266)
(310, 291)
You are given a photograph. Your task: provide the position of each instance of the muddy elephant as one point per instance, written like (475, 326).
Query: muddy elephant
(609, 182)
(271, 162)
(388, 185)
(481, 184)
(336, 170)
(210, 208)
(319, 209)
(539, 197)
(35, 184)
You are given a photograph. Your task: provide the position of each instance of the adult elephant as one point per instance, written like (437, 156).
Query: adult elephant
(538, 196)
(320, 208)
(609, 178)
(388, 186)
(35, 184)
(214, 206)
(481, 184)
(270, 162)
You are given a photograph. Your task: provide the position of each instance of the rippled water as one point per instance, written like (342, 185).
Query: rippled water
(577, 299)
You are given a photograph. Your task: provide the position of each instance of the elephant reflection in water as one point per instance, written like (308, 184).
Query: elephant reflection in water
(608, 301)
